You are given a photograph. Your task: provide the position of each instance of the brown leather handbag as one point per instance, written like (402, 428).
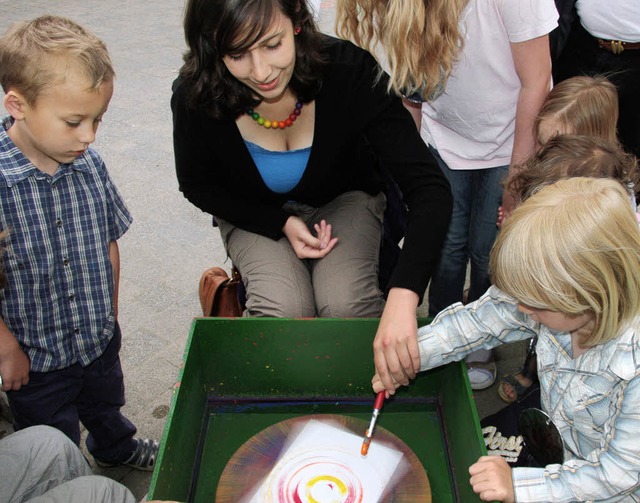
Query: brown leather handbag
(219, 293)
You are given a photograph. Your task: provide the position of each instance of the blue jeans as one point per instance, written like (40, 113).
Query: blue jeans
(477, 194)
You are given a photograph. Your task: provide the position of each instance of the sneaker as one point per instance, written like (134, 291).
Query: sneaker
(143, 456)
(481, 374)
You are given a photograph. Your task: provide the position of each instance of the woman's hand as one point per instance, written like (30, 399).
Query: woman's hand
(491, 479)
(304, 244)
(377, 385)
(395, 347)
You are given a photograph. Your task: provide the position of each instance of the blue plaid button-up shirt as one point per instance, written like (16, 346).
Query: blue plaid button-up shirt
(594, 399)
(59, 299)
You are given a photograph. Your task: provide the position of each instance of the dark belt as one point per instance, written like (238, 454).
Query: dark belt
(617, 46)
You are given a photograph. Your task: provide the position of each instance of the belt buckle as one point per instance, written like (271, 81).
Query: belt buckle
(617, 46)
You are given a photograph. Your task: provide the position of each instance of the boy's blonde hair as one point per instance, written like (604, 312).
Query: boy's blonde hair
(574, 247)
(421, 38)
(583, 105)
(567, 156)
(32, 54)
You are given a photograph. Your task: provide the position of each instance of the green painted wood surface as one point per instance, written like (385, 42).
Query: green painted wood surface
(321, 362)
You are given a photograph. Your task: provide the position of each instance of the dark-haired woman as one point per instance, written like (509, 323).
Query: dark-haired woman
(281, 132)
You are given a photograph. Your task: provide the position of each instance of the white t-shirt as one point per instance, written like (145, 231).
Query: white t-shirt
(611, 19)
(314, 7)
(472, 123)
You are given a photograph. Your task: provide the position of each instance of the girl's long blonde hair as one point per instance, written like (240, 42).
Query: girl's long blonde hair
(421, 38)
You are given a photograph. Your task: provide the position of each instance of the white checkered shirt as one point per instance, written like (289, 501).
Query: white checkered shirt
(594, 399)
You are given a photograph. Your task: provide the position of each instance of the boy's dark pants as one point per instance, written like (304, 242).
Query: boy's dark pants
(92, 395)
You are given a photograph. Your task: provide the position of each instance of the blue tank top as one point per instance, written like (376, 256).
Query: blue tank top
(280, 171)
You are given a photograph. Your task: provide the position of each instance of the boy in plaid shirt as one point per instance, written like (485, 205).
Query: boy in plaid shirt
(59, 336)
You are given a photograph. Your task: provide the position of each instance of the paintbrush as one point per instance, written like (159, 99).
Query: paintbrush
(377, 407)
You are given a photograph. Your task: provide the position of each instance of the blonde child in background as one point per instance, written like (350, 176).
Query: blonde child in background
(566, 268)
(575, 155)
(579, 105)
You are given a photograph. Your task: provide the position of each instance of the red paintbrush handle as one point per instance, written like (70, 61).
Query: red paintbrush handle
(379, 400)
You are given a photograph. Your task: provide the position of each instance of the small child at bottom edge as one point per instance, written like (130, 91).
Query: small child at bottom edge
(59, 333)
(566, 267)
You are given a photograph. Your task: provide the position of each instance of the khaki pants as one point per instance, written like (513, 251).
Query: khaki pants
(41, 465)
(344, 284)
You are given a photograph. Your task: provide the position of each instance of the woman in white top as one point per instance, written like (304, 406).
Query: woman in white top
(483, 69)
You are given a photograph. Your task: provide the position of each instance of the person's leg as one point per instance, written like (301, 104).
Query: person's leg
(35, 460)
(486, 199)
(345, 282)
(49, 399)
(89, 489)
(447, 283)
(277, 282)
(110, 437)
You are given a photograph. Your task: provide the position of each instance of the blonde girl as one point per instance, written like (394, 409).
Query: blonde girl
(566, 268)
(422, 39)
(579, 105)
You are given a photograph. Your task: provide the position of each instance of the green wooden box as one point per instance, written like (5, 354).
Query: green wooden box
(242, 375)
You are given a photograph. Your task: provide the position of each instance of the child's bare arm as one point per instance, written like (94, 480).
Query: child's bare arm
(114, 257)
(14, 363)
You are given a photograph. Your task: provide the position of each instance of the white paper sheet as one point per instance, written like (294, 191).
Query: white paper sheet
(324, 465)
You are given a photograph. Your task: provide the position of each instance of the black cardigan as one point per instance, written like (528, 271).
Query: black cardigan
(358, 124)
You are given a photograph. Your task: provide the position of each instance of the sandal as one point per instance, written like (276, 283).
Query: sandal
(520, 389)
(142, 458)
(529, 371)
(481, 374)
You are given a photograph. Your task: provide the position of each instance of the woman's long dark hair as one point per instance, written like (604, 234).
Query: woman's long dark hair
(214, 28)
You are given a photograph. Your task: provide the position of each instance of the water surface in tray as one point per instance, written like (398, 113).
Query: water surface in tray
(229, 423)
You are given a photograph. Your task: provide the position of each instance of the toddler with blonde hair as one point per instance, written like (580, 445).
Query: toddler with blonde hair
(566, 268)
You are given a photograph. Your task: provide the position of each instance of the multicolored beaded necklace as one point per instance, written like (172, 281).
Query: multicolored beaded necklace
(276, 124)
